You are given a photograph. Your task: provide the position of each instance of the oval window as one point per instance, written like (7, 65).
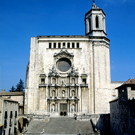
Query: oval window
(63, 64)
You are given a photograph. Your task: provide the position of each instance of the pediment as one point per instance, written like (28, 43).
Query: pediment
(64, 53)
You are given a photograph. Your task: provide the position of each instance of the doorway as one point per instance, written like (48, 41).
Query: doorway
(63, 109)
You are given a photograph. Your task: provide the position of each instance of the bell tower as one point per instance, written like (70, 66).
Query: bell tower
(95, 22)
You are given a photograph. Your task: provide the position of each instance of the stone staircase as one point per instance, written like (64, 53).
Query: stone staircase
(60, 125)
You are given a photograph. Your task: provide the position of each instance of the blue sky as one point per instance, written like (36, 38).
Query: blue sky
(22, 19)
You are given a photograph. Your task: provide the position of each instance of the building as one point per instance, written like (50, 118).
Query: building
(70, 74)
(17, 96)
(8, 116)
(122, 110)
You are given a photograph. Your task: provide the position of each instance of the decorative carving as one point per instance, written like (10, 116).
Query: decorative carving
(53, 72)
(64, 53)
(73, 71)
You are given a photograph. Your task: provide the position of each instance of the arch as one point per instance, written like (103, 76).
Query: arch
(97, 22)
(23, 123)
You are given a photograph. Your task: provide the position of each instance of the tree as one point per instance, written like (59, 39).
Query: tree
(20, 86)
(12, 89)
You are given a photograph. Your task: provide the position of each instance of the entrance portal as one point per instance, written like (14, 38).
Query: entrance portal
(63, 109)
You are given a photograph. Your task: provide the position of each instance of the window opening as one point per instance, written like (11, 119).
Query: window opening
(63, 45)
(5, 114)
(5, 123)
(9, 131)
(73, 45)
(15, 114)
(59, 45)
(97, 22)
(68, 45)
(50, 45)
(42, 81)
(77, 45)
(10, 114)
(89, 24)
(54, 45)
(84, 81)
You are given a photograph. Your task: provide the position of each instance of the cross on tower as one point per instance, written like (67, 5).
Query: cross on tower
(93, 1)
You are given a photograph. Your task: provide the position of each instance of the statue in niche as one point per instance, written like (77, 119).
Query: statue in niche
(53, 81)
(53, 108)
(63, 93)
(73, 108)
(73, 93)
(53, 93)
(73, 80)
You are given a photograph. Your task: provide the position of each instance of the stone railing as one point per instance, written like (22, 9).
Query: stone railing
(83, 117)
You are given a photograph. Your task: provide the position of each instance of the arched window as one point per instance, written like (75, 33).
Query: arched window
(77, 45)
(50, 45)
(59, 45)
(54, 45)
(73, 45)
(68, 45)
(97, 22)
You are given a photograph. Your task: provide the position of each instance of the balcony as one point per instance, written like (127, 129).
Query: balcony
(42, 85)
(83, 85)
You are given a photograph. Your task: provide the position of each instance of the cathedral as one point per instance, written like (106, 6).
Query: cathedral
(69, 75)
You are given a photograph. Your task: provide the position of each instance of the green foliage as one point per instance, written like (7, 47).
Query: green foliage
(19, 87)
(12, 89)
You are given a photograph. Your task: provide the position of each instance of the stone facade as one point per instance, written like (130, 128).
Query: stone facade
(17, 96)
(8, 116)
(70, 74)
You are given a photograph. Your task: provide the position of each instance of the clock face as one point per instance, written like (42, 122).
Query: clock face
(63, 64)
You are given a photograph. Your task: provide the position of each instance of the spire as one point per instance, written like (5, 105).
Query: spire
(94, 5)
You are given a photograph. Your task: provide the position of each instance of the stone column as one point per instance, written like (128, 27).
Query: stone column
(76, 106)
(69, 106)
(56, 106)
(50, 91)
(50, 106)
(56, 92)
(76, 91)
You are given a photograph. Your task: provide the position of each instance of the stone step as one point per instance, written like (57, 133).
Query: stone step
(60, 125)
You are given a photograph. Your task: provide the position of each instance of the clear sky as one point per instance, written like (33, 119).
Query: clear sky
(22, 19)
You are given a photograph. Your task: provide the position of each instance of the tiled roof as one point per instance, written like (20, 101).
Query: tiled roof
(130, 81)
(113, 100)
(3, 93)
